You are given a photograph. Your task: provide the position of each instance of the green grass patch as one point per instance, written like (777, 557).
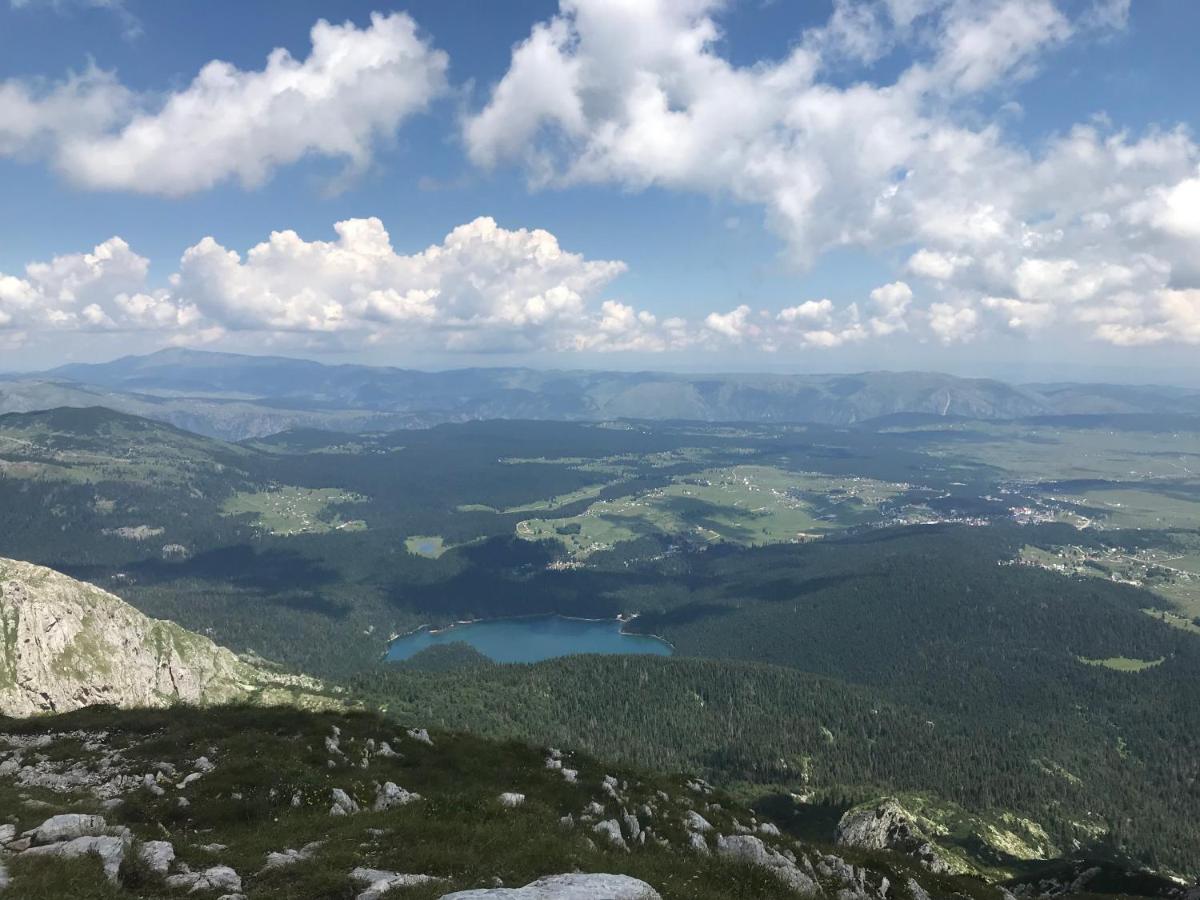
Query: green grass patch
(1123, 663)
(745, 505)
(289, 510)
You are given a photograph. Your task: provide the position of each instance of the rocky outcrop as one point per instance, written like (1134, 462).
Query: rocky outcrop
(889, 826)
(752, 850)
(567, 887)
(157, 856)
(379, 882)
(214, 878)
(73, 835)
(65, 644)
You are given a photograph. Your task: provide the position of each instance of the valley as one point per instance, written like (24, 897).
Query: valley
(814, 615)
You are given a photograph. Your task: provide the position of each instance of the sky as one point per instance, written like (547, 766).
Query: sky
(986, 187)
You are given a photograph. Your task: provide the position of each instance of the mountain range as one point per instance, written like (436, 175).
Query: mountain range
(234, 396)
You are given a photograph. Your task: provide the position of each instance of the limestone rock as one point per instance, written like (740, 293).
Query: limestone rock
(421, 735)
(611, 829)
(632, 826)
(379, 881)
(888, 826)
(290, 857)
(66, 827)
(109, 848)
(343, 803)
(67, 644)
(748, 849)
(216, 878)
(390, 796)
(157, 855)
(567, 887)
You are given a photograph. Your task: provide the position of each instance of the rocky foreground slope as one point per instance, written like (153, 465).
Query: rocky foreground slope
(251, 803)
(280, 803)
(65, 644)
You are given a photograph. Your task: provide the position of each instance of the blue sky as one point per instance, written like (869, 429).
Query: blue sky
(997, 187)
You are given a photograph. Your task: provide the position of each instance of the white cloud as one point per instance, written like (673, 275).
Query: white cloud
(952, 324)
(1086, 231)
(985, 41)
(734, 325)
(353, 90)
(1021, 315)
(79, 291)
(1174, 210)
(810, 312)
(483, 288)
(892, 301)
(35, 116)
(937, 266)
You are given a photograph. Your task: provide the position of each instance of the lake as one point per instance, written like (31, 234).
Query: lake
(532, 639)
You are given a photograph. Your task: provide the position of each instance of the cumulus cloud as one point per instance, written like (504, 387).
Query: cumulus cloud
(1020, 315)
(483, 288)
(735, 325)
(81, 291)
(892, 302)
(952, 324)
(354, 89)
(1088, 232)
(938, 266)
(37, 117)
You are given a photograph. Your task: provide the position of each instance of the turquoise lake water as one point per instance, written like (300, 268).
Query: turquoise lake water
(533, 639)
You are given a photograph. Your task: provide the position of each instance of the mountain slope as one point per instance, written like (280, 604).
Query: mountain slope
(65, 644)
(281, 804)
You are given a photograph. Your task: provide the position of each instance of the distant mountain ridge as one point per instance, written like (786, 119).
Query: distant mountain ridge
(235, 396)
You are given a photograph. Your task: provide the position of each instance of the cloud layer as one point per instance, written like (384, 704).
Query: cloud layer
(353, 90)
(1096, 229)
(1091, 232)
(483, 288)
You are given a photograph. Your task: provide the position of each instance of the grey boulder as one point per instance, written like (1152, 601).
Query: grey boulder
(157, 855)
(752, 850)
(67, 826)
(110, 849)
